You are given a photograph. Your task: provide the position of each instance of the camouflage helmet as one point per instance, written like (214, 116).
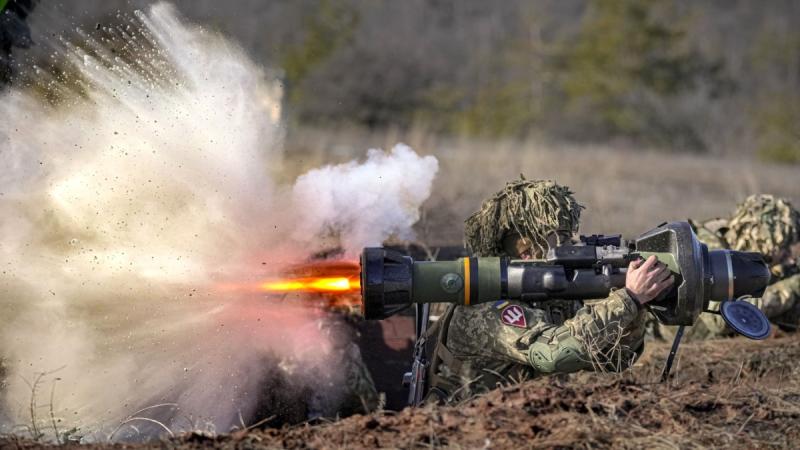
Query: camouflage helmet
(532, 208)
(763, 223)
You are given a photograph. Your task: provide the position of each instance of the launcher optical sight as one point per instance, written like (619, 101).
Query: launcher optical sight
(391, 281)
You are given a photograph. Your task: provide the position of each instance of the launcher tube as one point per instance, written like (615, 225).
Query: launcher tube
(391, 281)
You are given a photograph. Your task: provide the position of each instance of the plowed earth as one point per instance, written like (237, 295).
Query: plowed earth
(731, 393)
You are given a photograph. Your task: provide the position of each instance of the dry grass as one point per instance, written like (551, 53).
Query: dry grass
(735, 393)
(731, 393)
(625, 191)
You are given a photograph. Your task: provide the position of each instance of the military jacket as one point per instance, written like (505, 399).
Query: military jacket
(480, 347)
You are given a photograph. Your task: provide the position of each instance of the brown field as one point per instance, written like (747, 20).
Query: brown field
(733, 393)
(624, 190)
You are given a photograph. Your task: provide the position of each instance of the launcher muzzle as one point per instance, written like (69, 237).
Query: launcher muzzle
(391, 281)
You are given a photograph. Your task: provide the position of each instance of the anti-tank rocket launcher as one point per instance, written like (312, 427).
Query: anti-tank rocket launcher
(391, 281)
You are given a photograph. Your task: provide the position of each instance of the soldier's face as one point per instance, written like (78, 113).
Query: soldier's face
(519, 247)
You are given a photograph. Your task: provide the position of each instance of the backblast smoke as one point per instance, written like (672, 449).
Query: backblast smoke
(126, 205)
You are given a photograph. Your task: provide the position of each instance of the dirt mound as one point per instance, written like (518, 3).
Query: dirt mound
(733, 393)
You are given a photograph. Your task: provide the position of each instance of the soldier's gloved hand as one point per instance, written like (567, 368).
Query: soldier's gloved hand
(647, 279)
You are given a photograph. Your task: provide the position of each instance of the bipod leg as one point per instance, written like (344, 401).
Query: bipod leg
(672, 352)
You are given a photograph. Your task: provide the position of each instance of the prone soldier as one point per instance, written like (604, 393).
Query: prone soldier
(768, 225)
(478, 347)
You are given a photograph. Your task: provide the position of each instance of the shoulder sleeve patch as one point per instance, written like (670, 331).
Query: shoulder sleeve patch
(514, 315)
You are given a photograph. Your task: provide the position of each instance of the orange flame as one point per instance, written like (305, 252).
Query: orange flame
(335, 283)
(332, 284)
(320, 285)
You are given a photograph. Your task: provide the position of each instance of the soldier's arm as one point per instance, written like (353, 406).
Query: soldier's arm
(607, 334)
(781, 297)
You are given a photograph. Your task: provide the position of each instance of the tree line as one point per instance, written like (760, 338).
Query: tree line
(706, 76)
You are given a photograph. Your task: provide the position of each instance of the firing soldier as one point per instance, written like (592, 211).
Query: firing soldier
(355, 393)
(768, 225)
(479, 347)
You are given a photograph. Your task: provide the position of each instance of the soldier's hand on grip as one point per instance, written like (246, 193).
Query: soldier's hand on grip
(645, 280)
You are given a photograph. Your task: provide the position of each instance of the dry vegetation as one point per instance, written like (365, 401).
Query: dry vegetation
(735, 393)
(716, 77)
(624, 190)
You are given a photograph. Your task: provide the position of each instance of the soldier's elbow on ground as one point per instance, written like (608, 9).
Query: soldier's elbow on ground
(569, 355)
(563, 357)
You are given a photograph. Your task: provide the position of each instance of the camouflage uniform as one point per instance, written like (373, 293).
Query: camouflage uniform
(350, 389)
(356, 394)
(764, 224)
(360, 395)
(476, 349)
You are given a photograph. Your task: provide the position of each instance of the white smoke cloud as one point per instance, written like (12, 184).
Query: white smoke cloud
(124, 212)
(365, 203)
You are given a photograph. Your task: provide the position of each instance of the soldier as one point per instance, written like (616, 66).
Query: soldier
(343, 392)
(768, 225)
(355, 391)
(479, 347)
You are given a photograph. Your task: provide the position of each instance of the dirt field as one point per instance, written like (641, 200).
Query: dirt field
(736, 394)
(730, 393)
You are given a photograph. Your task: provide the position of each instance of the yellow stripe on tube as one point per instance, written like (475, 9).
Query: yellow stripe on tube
(466, 281)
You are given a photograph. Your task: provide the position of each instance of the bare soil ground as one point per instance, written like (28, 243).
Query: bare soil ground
(731, 393)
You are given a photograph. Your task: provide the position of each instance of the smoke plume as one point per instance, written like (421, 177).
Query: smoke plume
(365, 203)
(123, 209)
